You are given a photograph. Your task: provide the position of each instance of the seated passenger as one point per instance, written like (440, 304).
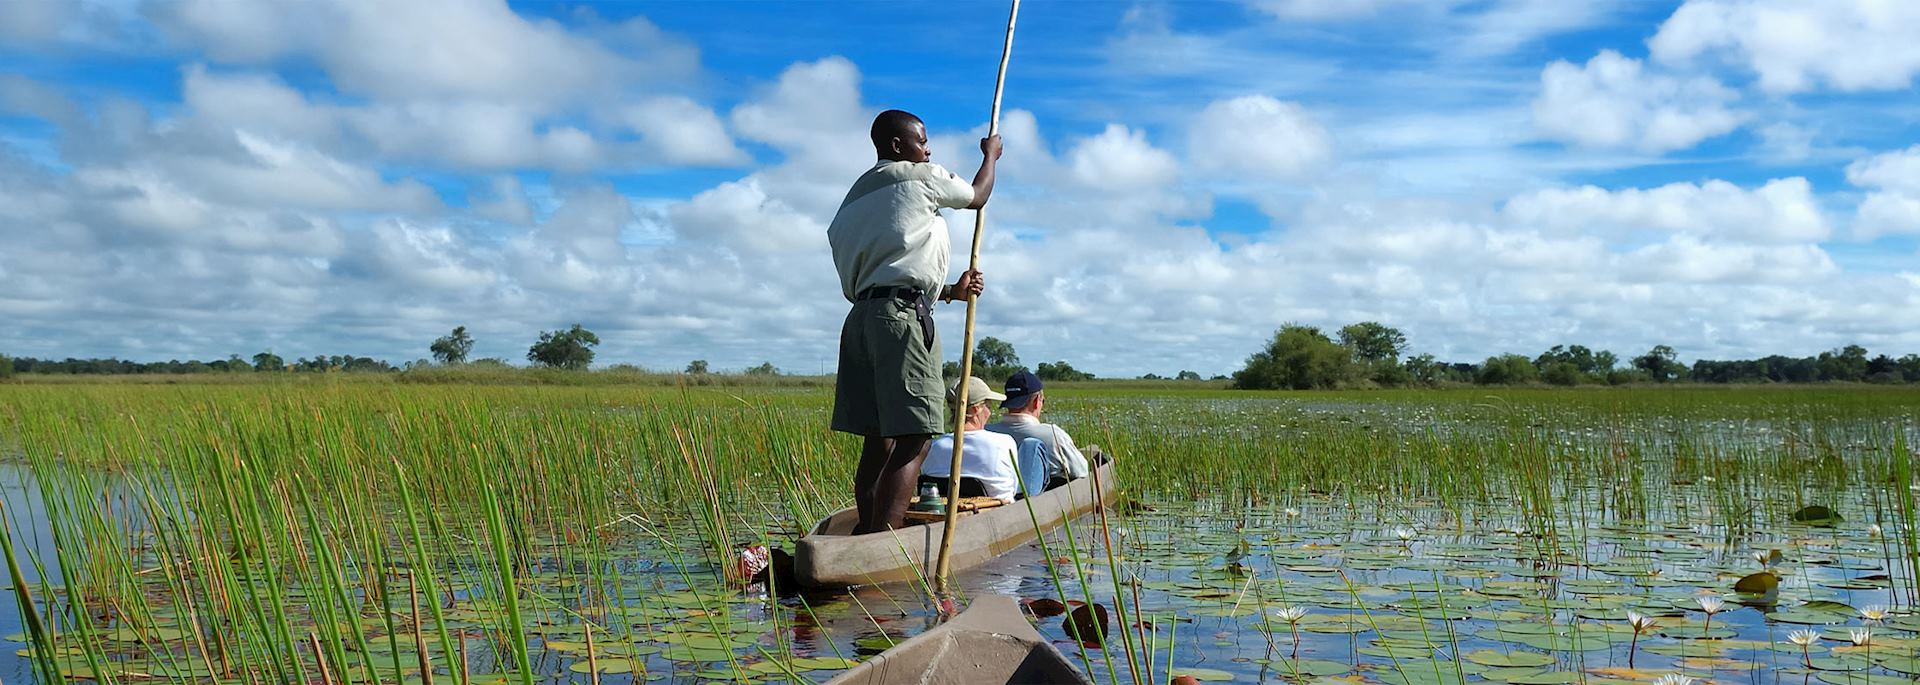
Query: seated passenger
(988, 459)
(1024, 402)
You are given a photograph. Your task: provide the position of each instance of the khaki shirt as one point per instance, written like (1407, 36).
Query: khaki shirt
(888, 231)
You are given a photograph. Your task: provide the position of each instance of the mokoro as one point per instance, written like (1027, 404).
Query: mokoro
(830, 557)
(988, 644)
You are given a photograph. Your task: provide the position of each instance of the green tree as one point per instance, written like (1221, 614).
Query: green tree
(994, 359)
(6, 367)
(1562, 373)
(1507, 369)
(764, 369)
(452, 348)
(697, 367)
(268, 361)
(1425, 370)
(569, 349)
(1186, 376)
(1660, 364)
(1060, 371)
(1845, 364)
(1298, 357)
(1373, 342)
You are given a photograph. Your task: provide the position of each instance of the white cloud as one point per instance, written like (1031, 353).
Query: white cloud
(34, 21)
(1614, 101)
(1120, 160)
(1781, 211)
(430, 49)
(1258, 136)
(682, 132)
(1794, 46)
(1328, 9)
(1894, 205)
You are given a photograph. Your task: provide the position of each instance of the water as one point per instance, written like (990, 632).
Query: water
(1516, 587)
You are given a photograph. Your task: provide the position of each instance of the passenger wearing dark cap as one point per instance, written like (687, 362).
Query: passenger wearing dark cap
(1025, 400)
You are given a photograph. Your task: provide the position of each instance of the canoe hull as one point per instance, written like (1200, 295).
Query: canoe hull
(989, 644)
(828, 557)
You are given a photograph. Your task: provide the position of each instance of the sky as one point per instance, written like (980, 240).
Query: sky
(201, 178)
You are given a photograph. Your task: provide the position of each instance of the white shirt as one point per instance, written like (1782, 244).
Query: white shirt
(888, 231)
(985, 456)
(1063, 459)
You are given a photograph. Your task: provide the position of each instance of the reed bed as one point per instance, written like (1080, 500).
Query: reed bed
(390, 533)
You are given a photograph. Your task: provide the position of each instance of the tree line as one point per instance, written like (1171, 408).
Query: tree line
(1302, 357)
(567, 348)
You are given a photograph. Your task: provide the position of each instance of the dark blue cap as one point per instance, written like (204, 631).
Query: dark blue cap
(1021, 387)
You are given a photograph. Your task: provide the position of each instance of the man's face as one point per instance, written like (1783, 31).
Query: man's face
(912, 144)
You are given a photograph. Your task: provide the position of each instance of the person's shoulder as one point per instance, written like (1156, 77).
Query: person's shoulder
(1003, 440)
(1000, 427)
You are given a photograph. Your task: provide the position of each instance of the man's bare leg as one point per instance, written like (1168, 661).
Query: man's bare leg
(894, 483)
(873, 459)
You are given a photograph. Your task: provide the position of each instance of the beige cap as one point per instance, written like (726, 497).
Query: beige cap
(977, 391)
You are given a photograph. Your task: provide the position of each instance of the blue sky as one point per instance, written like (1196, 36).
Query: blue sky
(196, 179)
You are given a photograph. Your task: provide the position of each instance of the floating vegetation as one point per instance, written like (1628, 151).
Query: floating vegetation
(372, 533)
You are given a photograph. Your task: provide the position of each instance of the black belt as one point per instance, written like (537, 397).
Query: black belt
(904, 292)
(922, 306)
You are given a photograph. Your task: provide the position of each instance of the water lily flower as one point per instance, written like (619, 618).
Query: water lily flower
(1873, 613)
(1404, 534)
(1805, 639)
(1290, 614)
(1640, 623)
(1860, 637)
(1712, 604)
(1873, 531)
(1291, 512)
(1673, 679)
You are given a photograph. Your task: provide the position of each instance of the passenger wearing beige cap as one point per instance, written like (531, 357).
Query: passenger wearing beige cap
(988, 458)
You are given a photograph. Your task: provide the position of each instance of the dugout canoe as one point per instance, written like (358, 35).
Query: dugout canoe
(829, 557)
(988, 644)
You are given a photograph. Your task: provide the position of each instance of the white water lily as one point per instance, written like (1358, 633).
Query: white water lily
(1860, 637)
(1404, 534)
(1640, 622)
(1291, 512)
(1803, 637)
(1712, 605)
(1290, 614)
(1760, 556)
(1873, 531)
(1673, 679)
(1873, 613)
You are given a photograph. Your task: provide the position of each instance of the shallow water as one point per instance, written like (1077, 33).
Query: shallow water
(1519, 587)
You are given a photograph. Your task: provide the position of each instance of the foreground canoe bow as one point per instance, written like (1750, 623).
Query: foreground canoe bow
(828, 557)
(988, 644)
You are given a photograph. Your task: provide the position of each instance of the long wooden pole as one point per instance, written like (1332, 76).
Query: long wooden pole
(966, 351)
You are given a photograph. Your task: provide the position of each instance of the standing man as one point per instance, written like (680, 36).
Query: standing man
(890, 247)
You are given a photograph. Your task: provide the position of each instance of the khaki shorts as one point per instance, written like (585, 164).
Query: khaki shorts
(889, 381)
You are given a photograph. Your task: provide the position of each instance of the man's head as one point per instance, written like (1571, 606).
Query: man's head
(978, 395)
(900, 136)
(1023, 393)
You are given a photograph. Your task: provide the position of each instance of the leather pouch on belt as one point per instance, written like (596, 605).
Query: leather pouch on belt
(923, 308)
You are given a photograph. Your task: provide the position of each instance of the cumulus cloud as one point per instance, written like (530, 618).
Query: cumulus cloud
(1120, 160)
(1781, 211)
(1846, 45)
(1258, 136)
(1615, 101)
(435, 49)
(1894, 205)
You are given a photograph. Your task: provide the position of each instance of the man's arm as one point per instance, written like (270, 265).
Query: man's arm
(983, 179)
(1070, 453)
